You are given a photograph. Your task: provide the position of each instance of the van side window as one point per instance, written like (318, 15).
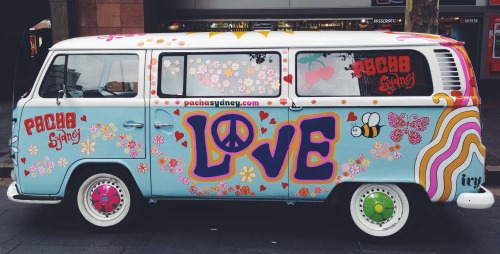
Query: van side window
(363, 73)
(255, 74)
(92, 76)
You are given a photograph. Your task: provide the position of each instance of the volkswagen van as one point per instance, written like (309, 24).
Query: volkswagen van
(376, 122)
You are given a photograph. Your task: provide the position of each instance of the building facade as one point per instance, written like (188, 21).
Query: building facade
(476, 22)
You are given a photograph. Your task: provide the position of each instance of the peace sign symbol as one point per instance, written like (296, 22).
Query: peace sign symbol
(233, 142)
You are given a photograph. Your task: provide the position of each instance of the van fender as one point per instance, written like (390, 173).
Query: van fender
(141, 179)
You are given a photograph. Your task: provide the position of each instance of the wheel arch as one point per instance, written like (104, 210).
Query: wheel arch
(112, 167)
(414, 189)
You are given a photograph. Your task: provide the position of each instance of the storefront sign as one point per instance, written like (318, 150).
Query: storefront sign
(387, 21)
(494, 2)
(262, 26)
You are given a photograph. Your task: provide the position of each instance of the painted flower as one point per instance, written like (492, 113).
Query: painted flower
(317, 190)
(105, 129)
(275, 84)
(93, 129)
(377, 145)
(161, 161)
(215, 189)
(397, 146)
(226, 83)
(192, 189)
(261, 75)
(173, 162)
(383, 153)
(304, 192)
(158, 140)
(142, 168)
(50, 164)
(222, 185)
(235, 66)
(215, 78)
(62, 162)
(87, 147)
(202, 69)
(248, 82)
(167, 63)
(245, 190)
(192, 71)
(132, 144)
(365, 162)
(345, 167)
(228, 72)
(250, 70)
(355, 169)
(154, 150)
(396, 155)
(134, 153)
(33, 149)
(122, 137)
(247, 174)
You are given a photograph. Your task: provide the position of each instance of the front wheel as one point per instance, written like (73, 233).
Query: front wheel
(104, 200)
(380, 210)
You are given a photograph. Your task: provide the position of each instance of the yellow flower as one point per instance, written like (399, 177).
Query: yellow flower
(228, 72)
(250, 71)
(247, 174)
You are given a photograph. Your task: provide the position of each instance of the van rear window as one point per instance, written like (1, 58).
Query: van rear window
(363, 73)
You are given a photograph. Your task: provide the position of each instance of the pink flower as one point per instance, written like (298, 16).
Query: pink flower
(122, 137)
(317, 190)
(142, 168)
(384, 152)
(133, 153)
(131, 144)
(158, 140)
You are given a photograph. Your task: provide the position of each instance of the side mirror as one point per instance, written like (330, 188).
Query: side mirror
(61, 94)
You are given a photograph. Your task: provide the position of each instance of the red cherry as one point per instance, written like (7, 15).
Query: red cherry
(326, 73)
(312, 77)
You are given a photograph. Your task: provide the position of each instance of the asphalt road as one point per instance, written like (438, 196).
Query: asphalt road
(241, 227)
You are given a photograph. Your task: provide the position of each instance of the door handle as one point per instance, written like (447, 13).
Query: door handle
(295, 108)
(159, 125)
(135, 125)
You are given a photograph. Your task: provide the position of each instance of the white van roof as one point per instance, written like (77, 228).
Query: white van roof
(256, 39)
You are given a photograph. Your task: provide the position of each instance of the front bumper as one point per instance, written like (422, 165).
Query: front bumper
(482, 200)
(14, 195)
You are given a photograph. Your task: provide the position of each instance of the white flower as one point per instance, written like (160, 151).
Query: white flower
(62, 162)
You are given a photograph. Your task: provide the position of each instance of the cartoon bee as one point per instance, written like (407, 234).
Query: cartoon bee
(370, 128)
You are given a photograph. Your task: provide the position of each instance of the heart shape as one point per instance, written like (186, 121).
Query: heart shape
(263, 115)
(177, 102)
(83, 118)
(284, 185)
(273, 121)
(26, 172)
(263, 130)
(177, 112)
(288, 78)
(184, 144)
(263, 188)
(23, 159)
(178, 136)
(351, 117)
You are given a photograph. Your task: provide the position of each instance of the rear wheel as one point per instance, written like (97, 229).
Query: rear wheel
(380, 210)
(105, 200)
